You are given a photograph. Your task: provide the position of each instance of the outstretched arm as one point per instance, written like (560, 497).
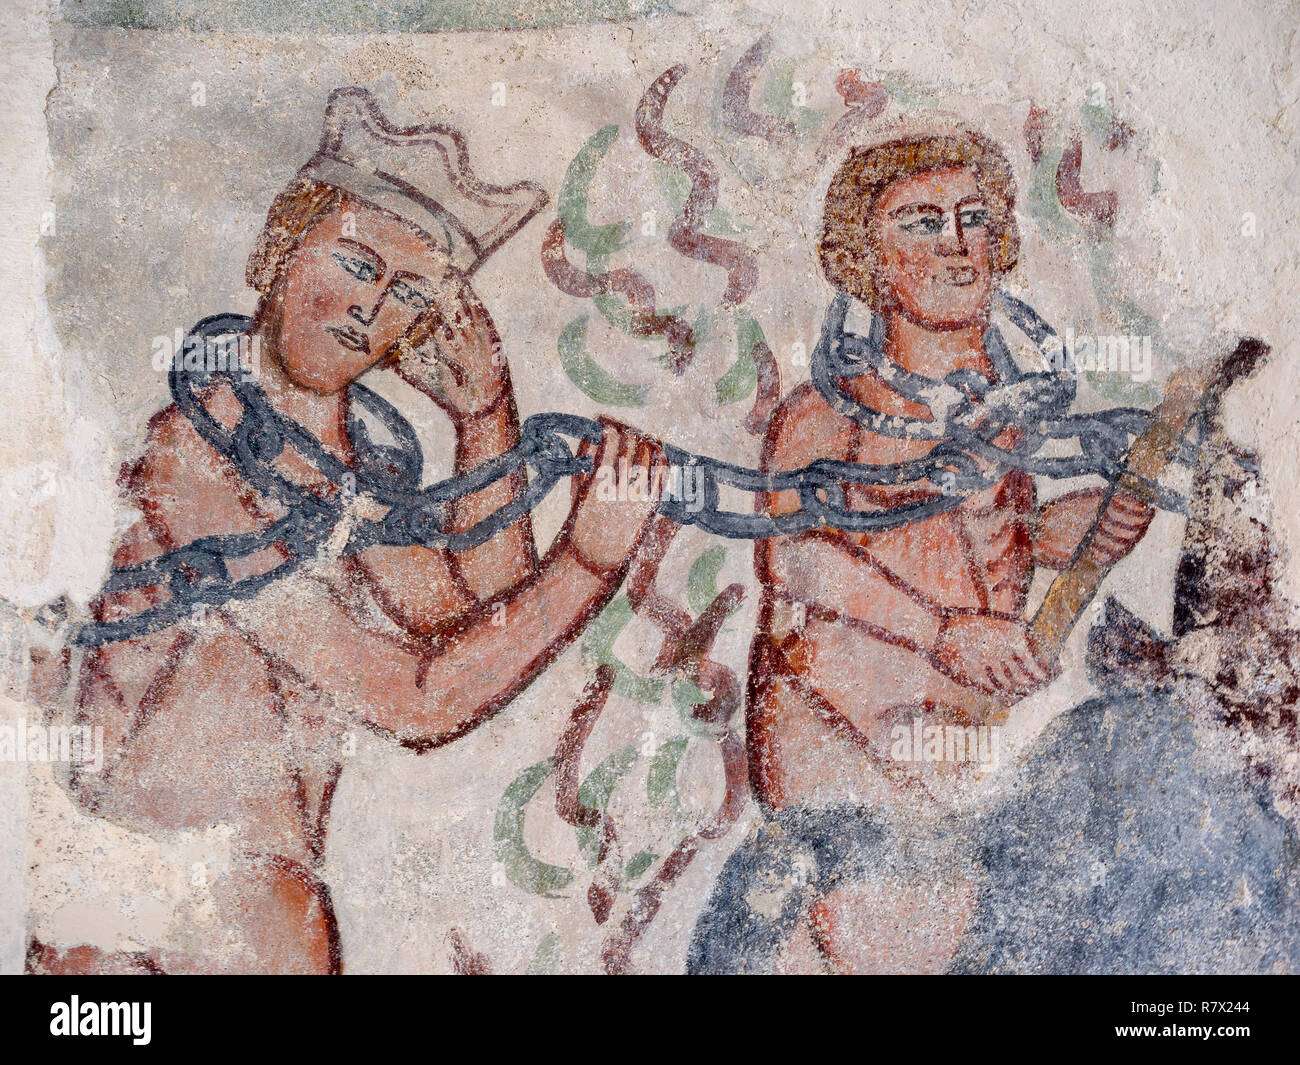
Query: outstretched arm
(490, 656)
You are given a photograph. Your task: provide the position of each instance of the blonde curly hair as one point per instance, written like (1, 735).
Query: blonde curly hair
(849, 245)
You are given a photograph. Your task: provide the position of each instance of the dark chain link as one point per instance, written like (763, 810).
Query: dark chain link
(964, 460)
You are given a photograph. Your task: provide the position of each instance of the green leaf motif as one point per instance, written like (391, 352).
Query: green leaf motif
(524, 871)
(702, 580)
(742, 378)
(594, 792)
(589, 375)
(661, 781)
(778, 97)
(597, 648)
(548, 958)
(598, 242)
(637, 865)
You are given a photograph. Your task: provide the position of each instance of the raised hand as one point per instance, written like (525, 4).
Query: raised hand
(453, 352)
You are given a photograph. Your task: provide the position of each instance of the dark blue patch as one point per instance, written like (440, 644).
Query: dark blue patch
(1126, 847)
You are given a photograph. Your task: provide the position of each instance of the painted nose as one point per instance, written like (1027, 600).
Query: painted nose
(952, 240)
(358, 313)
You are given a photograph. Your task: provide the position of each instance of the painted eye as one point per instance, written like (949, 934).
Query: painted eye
(927, 225)
(411, 297)
(974, 217)
(358, 268)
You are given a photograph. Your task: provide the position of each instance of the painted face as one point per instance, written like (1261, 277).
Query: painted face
(934, 264)
(356, 283)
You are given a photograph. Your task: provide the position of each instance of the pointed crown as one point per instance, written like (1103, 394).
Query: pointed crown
(420, 173)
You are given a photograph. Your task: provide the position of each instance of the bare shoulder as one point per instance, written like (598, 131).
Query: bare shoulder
(804, 428)
(182, 486)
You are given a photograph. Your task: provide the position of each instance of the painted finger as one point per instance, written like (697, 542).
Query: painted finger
(580, 483)
(475, 321)
(614, 446)
(1049, 664)
(995, 682)
(645, 455)
(1130, 503)
(1012, 678)
(1105, 544)
(1029, 669)
(1123, 523)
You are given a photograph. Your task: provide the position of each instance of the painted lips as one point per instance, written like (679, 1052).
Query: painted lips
(959, 275)
(350, 339)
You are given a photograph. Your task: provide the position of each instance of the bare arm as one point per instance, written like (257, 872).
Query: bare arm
(453, 356)
(424, 695)
(1064, 522)
(819, 568)
(422, 588)
(473, 671)
(823, 569)
(511, 555)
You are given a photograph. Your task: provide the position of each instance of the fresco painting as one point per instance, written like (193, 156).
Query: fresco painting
(620, 488)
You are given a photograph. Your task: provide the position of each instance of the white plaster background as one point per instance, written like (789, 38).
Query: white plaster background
(158, 203)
